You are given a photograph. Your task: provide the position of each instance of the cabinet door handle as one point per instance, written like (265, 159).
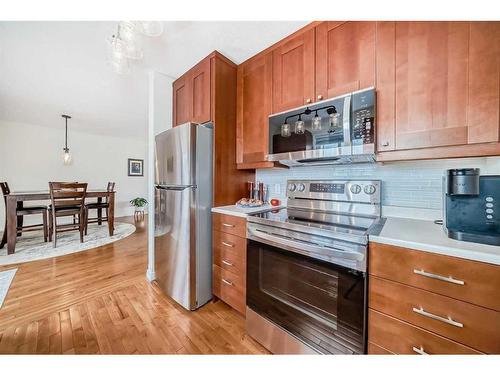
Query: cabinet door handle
(447, 320)
(227, 282)
(308, 100)
(385, 144)
(448, 279)
(226, 262)
(420, 351)
(320, 97)
(227, 244)
(228, 225)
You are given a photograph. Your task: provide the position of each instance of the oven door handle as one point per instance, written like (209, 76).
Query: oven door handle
(302, 246)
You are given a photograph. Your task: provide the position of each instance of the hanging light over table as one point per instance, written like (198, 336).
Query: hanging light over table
(66, 155)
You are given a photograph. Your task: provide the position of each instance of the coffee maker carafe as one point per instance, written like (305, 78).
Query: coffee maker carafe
(472, 206)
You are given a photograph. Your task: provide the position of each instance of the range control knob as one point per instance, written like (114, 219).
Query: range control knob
(355, 189)
(292, 187)
(370, 189)
(301, 187)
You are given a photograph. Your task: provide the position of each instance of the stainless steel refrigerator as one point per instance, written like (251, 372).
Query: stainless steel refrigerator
(183, 199)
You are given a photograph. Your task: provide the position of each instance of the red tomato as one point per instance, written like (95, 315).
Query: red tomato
(275, 202)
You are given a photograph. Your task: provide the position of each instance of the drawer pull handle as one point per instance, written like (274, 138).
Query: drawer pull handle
(227, 282)
(448, 279)
(228, 225)
(420, 351)
(226, 262)
(227, 244)
(448, 320)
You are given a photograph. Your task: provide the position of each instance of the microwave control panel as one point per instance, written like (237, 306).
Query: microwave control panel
(363, 121)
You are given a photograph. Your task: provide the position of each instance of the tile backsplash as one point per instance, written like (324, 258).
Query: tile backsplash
(412, 184)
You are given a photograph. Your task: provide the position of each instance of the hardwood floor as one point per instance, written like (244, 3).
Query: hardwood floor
(99, 301)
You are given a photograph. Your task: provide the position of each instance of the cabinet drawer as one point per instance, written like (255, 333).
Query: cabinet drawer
(468, 324)
(466, 280)
(229, 287)
(229, 252)
(375, 349)
(399, 337)
(230, 224)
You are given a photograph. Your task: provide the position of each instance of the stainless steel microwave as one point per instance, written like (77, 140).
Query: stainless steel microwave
(340, 130)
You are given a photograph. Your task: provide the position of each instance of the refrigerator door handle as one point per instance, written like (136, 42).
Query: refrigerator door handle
(174, 187)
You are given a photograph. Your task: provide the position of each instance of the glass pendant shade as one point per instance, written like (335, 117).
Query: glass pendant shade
(334, 120)
(67, 157)
(285, 130)
(299, 126)
(151, 28)
(316, 123)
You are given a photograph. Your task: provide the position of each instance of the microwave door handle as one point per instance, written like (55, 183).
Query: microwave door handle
(300, 246)
(346, 120)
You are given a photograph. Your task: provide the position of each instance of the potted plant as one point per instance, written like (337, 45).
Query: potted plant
(139, 204)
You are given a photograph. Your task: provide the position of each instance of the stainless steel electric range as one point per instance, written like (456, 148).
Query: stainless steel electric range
(306, 268)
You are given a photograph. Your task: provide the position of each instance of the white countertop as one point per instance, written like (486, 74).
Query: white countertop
(424, 235)
(242, 212)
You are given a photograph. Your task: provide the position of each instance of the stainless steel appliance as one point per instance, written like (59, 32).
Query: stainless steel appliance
(183, 199)
(334, 131)
(306, 268)
(471, 206)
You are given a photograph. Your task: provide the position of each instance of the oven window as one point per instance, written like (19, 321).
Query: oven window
(321, 304)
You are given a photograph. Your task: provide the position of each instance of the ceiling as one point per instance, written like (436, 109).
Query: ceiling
(50, 68)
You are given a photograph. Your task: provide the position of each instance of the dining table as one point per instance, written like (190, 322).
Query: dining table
(16, 198)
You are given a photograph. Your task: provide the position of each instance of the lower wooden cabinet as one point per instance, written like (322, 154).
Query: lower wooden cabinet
(400, 337)
(409, 313)
(229, 251)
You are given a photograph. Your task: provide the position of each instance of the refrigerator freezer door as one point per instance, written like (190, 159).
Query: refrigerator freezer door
(175, 245)
(175, 156)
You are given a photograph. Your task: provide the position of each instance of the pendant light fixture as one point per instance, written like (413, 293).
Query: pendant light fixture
(67, 155)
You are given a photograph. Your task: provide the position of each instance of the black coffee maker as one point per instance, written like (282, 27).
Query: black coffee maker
(472, 206)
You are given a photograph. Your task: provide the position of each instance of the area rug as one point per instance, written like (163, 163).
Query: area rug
(6, 278)
(31, 247)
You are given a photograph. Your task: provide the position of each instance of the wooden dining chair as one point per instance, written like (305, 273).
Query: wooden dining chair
(21, 212)
(99, 206)
(68, 199)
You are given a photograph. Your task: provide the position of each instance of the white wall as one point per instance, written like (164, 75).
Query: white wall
(31, 156)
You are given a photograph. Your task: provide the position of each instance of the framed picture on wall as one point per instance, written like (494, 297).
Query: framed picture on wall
(135, 167)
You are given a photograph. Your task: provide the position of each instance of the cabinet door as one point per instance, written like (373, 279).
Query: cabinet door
(484, 73)
(293, 72)
(181, 101)
(386, 81)
(254, 100)
(345, 57)
(431, 84)
(199, 82)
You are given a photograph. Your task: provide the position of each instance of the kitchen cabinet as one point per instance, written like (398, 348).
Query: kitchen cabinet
(254, 105)
(191, 95)
(207, 92)
(433, 304)
(293, 72)
(181, 103)
(437, 89)
(345, 57)
(229, 260)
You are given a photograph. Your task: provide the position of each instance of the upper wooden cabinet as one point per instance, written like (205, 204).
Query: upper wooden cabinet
(191, 95)
(345, 57)
(484, 82)
(181, 102)
(254, 105)
(293, 72)
(437, 87)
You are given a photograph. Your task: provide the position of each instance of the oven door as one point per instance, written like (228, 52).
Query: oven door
(320, 304)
